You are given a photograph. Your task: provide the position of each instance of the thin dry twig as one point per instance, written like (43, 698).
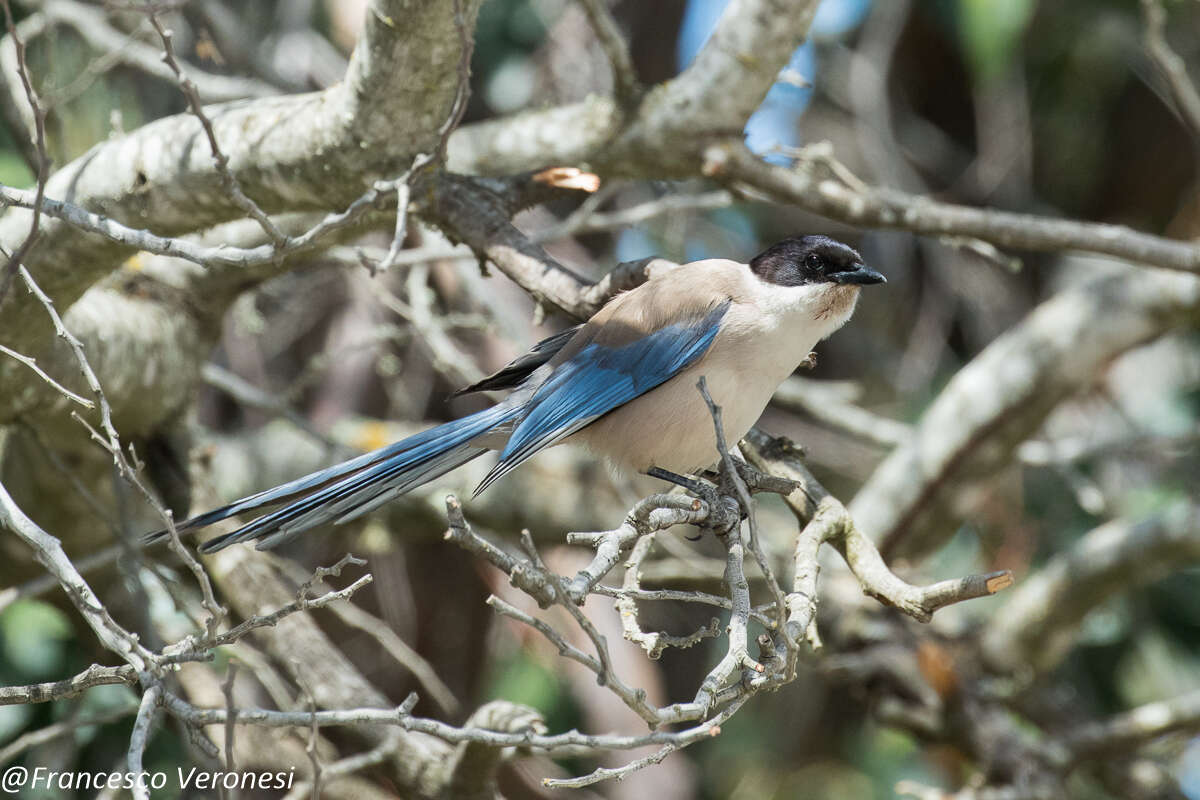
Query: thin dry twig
(734, 478)
(232, 187)
(626, 604)
(424, 672)
(17, 256)
(231, 712)
(58, 387)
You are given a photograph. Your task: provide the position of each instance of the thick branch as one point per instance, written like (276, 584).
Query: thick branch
(316, 151)
(813, 505)
(1037, 626)
(1005, 393)
(713, 97)
(1126, 731)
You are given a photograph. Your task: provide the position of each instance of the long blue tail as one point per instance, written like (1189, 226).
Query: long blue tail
(345, 491)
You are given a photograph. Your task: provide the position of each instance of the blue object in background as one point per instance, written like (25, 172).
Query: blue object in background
(1187, 770)
(776, 122)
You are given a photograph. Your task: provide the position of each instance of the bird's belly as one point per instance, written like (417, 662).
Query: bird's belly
(671, 427)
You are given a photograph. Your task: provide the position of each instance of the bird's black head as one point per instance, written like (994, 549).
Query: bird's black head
(801, 260)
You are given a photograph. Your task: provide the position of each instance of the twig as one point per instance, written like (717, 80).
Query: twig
(302, 603)
(674, 595)
(826, 406)
(814, 506)
(314, 733)
(401, 717)
(738, 655)
(251, 396)
(221, 255)
(612, 773)
(531, 581)
(49, 553)
(709, 729)
(58, 387)
(654, 513)
(125, 48)
(458, 107)
(431, 327)
(653, 643)
(111, 441)
(350, 764)
(231, 715)
(565, 648)
(232, 187)
(17, 256)
(424, 672)
(635, 215)
(606, 676)
(733, 477)
(95, 675)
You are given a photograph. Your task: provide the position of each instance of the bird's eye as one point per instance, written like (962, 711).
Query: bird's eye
(813, 261)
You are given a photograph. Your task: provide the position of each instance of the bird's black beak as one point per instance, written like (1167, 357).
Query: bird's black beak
(860, 275)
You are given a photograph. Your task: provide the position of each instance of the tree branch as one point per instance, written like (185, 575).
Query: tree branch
(1004, 394)
(816, 185)
(1039, 623)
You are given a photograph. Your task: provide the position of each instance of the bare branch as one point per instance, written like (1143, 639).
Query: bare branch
(1129, 730)
(67, 727)
(813, 187)
(232, 187)
(655, 513)
(531, 581)
(654, 642)
(731, 477)
(1039, 623)
(140, 737)
(831, 408)
(49, 553)
(93, 26)
(17, 256)
(306, 152)
(814, 506)
(303, 602)
(95, 675)
(58, 387)
(402, 718)
(424, 672)
(1004, 394)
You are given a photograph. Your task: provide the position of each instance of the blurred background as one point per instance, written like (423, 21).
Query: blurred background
(1043, 107)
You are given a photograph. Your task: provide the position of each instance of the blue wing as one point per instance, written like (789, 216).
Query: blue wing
(599, 378)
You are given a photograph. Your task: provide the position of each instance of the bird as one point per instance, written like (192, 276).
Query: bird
(623, 384)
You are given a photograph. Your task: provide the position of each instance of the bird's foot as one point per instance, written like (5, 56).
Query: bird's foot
(723, 505)
(756, 481)
(692, 485)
